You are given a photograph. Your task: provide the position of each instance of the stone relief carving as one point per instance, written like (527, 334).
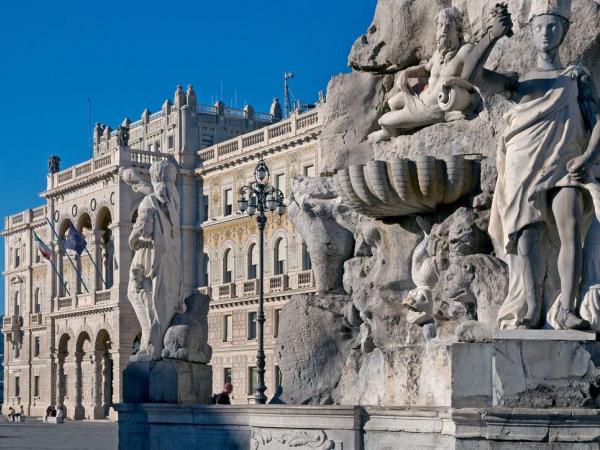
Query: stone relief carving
(444, 93)
(265, 439)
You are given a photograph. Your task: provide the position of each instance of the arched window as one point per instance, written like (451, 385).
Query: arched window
(205, 270)
(37, 305)
(280, 256)
(227, 266)
(306, 262)
(16, 304)
(252, 261)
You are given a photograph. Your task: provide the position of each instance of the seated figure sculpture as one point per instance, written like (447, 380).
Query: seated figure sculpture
(410, 110)
(551, 140)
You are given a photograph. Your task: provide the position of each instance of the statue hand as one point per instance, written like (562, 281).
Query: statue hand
(501, 25)
(403, 81)
(578, 168)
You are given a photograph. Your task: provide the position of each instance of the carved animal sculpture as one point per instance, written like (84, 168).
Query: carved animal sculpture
(187, 336)
(481, 282)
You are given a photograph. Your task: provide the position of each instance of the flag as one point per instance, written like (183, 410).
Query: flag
(42, 248)
(74, 240)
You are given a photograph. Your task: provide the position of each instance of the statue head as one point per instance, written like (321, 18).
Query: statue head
(162, 175)
(449, 30)
(550, 20)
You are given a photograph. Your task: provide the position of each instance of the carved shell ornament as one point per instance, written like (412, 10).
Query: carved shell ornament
(402, 187)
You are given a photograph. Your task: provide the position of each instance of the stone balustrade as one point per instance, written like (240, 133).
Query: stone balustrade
(36, 319)
(278, 283)
(250, 287)
(297, 124)
(9, 321)
(306, 279)
(27, 216)
(226, 291)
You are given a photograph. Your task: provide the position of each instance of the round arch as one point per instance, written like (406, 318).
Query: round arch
(84, 223)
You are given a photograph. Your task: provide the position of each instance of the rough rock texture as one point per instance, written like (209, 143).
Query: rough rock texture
(402, 33)
(187, 336)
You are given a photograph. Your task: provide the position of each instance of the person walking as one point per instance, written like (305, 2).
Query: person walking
(48, 413)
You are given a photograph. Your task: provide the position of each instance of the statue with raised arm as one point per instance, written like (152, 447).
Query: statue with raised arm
(551, 140)
(155, 282)
(448, 94)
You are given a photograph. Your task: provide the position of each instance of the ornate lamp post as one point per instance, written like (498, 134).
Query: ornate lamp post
(257, 198)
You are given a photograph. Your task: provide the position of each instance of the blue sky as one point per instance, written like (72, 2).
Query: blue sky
(127, 56)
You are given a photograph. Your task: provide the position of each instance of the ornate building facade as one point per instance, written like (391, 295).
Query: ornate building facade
(68, 343)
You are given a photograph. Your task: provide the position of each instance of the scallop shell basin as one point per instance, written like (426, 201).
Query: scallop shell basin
(402, 187)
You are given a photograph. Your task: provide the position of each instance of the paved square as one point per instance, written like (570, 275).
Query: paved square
(34, 434)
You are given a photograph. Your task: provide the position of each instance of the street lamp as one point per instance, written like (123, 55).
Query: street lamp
(257, 198)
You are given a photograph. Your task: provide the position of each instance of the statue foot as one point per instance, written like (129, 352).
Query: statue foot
(378, 136)
(568, 320)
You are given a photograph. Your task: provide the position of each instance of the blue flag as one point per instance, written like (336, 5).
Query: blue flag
(74, 240)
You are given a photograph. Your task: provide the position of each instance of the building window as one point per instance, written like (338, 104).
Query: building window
(204, 208)
(16, 305)
(252, 262)
(276, 313)
(37, 306)
(170, 142)
(252, 380)
(17, 257)
(149, 147)
(17, 386)
(36, 346)
(280, 258)
(278, 377)
(206, 269)
(252, 325)
(280, 182)
(228, 199)
(36, 386)
(309, 171)
(157, 146)
(227, 375)
(207, 141)
(228, 266)
(227, 328)
(306, 262)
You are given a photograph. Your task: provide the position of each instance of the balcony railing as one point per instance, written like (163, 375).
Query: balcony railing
(64, 303)
(36, 319)
(278, 283)
(305, 279)
(250, 287)
(10, 321)
(102, 297)
(226, 291)
(297, 124)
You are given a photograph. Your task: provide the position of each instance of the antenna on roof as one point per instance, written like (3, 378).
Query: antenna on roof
(89, 130)
(286, 92)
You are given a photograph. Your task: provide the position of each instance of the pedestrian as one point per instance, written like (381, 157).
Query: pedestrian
(48, 413)
(21, 414)
(11, 413)
(223, 397)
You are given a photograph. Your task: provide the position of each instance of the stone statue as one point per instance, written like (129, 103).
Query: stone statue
(447, 87)
(155, 283)
(543, 165)
(123, 136)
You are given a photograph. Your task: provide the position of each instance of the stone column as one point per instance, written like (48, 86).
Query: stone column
(60, 370)
(98, 390)
(107, 377)
(79, 412)
(96, 253)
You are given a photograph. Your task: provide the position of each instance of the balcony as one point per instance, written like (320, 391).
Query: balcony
(9, 322)
(250, 287)
(306, 279)
(226, 291)
(278, 283)
(102, 297)
(36, 319)
(63, 303)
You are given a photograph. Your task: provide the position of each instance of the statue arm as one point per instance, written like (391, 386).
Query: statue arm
(142, 228)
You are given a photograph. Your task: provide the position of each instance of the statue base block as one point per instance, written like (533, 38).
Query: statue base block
(167, 381)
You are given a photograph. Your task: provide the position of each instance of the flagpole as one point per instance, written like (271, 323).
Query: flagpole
(55, 269)
(68, 256)
(97, 268)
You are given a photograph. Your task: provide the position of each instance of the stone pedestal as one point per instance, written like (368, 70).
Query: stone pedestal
(167, 381)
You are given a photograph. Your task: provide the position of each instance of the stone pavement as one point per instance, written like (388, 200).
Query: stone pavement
(34, 434)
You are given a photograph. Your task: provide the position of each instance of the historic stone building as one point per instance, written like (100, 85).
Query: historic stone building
(68, 343)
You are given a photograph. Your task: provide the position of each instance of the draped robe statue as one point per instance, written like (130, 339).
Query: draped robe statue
(155, 282)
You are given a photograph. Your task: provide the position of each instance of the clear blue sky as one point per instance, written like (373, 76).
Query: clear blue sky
(127, 56)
